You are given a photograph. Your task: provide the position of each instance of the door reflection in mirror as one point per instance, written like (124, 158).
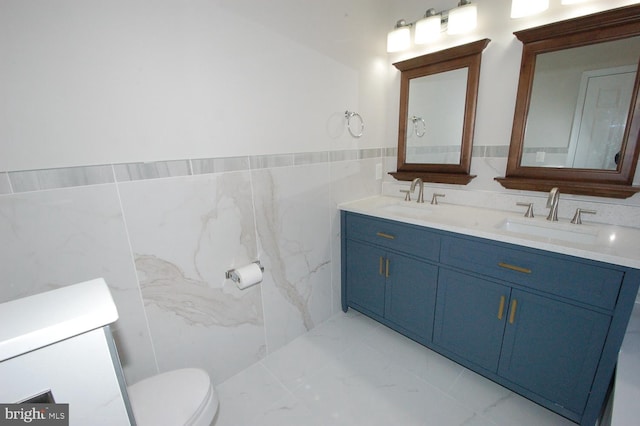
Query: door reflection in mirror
(580, 102)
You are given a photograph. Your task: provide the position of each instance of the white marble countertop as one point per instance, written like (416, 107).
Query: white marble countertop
(40, 320)
(606, 243)
(626, 410)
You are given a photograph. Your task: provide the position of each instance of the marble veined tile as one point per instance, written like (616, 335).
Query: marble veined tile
(355, 373)
(185, 233)
(52, 239)
(363, 387)
(247, 396)
(516, 410)
(499, 404)
(293, 223)
(289, 411)
(424, 363)
(313, 351)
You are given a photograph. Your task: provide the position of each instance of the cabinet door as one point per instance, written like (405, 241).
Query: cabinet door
(552, 348)
(365, 277)
(411, 295)
(470, 317)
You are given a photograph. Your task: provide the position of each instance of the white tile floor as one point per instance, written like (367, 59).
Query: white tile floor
(353, 371)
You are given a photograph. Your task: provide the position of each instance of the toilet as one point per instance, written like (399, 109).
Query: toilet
(175, 398)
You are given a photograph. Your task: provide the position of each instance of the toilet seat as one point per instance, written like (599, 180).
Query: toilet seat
(178, 397)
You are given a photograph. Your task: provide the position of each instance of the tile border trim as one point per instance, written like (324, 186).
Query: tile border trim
(14, 182)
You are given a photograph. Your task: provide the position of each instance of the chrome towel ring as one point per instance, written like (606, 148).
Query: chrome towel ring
(416, 121)
(349, 115)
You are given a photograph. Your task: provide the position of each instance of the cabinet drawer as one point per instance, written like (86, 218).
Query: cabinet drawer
(411, 239)
(574, 279)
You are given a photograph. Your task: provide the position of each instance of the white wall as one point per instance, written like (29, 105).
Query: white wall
(89, 82)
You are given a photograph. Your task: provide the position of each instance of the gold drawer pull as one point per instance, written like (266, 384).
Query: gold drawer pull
(501, 309)
(387, 236)
(381, 260)
(514, 268)
(514, 306)
(387, 274)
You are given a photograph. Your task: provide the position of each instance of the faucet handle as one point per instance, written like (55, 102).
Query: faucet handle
(529, 207)
(407, 194)
(434, 199)
(577, 219)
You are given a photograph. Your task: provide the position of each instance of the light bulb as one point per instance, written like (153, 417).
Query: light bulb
(399, 39)
(462, 19)
(427, 29)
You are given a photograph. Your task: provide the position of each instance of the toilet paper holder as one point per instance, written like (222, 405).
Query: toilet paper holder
(231, 273)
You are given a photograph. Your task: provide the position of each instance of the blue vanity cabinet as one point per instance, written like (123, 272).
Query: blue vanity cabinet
(546, 348)
(410, 295)
(366, 277)
(535, 322)
(552, 348)
(388, 276)
(545, 325)
(470, 318)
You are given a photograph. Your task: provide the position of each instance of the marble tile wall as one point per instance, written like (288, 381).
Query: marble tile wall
(55, 238)
(163, 234)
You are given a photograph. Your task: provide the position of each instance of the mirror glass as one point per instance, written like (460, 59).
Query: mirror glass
(438, 97)
(580, 101)
(434, 129)
(576, 124)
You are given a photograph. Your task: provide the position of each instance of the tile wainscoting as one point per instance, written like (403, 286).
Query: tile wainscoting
(163, 234)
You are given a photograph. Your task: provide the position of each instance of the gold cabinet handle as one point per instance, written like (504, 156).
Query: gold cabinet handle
(514, 306)
(387, 236)
(501, 308)
(514, 268)
(381, 260)
(387, 274)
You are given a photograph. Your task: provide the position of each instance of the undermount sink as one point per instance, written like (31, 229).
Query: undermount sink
(410, 209)
(582, 234)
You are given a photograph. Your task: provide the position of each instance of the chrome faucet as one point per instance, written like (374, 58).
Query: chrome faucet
(420, 189)
(552, 204)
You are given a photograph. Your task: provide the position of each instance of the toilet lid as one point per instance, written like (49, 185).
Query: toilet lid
(178, 397)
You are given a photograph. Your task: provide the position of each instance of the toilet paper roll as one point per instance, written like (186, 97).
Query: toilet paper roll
(248, 276)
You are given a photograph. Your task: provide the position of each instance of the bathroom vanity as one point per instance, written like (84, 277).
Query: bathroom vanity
(538, 307)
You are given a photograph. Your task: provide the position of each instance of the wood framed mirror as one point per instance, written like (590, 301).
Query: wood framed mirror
(438, 97)
(577, 118)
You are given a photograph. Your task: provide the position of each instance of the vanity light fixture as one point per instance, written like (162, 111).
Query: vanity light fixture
(399, 38)
(463, 18)
(428, 28)
(458, 20)
(522, 8)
